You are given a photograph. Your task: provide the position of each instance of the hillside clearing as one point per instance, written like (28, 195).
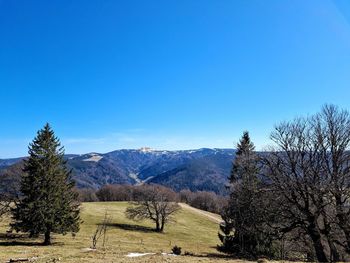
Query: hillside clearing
(194, 232)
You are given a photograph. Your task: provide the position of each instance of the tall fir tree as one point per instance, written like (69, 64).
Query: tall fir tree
(241, 232)
(245, 165)
(48, 203)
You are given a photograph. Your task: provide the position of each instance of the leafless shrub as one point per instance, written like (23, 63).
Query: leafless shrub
(208, 201)
(115, 193)
(87, 195)
(101, 232)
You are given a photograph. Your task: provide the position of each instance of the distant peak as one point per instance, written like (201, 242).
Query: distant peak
(146, 149)
(93, 157)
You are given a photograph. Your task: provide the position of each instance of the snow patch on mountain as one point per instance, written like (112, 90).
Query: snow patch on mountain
(93, 158)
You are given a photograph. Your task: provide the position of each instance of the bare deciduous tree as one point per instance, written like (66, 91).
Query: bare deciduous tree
(156, 203)
(309, 175)
(332, 130)
(86, 195)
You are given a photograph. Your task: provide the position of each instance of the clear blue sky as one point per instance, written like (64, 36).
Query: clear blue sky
(174, 74)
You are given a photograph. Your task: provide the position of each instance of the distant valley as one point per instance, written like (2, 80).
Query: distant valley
(196, 170)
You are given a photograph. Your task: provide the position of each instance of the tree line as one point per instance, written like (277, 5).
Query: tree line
(208, 201)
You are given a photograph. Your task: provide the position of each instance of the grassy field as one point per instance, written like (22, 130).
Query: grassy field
(194, 232)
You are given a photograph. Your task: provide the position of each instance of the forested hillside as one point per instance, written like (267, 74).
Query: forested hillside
(203, 169)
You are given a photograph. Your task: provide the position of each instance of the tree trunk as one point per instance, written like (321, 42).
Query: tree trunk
(343, 221)
(334, 254)
(157, 226)
(317, 242)
(335, 257)
(47, 240)
(344, 225)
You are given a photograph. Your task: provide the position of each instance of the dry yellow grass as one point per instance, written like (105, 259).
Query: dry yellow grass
(192, 231)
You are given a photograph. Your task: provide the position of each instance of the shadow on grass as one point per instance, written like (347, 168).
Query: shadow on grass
(137, 228)
(221, 256)
(20, 243)
(13, 236)
(15, 239)
(214, 255)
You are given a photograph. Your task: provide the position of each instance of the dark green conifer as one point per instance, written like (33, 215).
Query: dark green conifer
(243, 227)
(48, 203)
(226, 234)
(245, 165)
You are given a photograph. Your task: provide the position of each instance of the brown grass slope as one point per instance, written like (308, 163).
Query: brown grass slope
(194, 232)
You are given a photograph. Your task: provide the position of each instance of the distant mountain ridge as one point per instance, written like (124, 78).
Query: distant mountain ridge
(202, 169)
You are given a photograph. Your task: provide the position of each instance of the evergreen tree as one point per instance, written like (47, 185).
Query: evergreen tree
(48, 203)
(226, 235)
(242, 230)
(245, 165)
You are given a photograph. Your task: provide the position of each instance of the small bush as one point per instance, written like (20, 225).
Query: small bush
(176, 250)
